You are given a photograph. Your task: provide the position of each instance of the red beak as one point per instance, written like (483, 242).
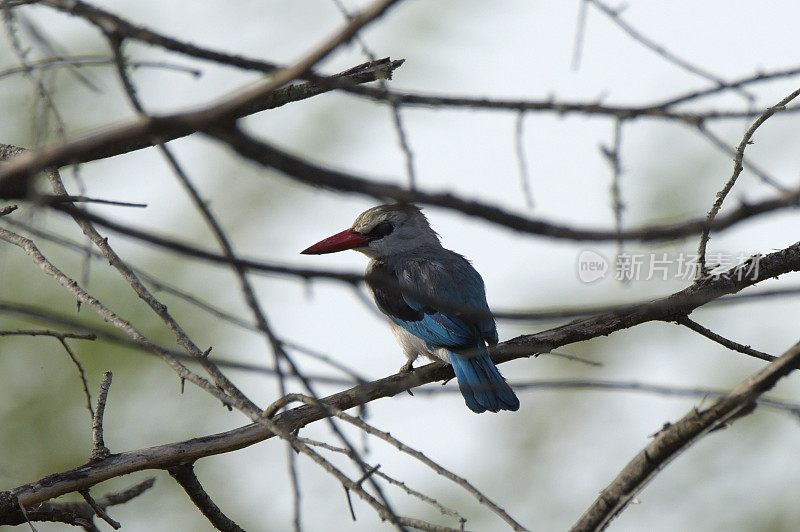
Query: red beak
(347, 239)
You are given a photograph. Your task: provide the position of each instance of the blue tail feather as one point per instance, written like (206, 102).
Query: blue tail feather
(481, 384)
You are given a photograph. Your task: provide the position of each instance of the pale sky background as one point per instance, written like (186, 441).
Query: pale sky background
(545, 463)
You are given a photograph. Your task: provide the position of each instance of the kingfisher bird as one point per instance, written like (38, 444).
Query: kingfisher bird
(434, 299)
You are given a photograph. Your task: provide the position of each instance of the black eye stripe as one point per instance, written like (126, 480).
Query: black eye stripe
(381, 230)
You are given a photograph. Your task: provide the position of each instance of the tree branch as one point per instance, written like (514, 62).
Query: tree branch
(99, 449)
(714, 337)
(737, 170)
(184, 475)
(663, 309)
(309, 173)
(71, 513)
(673, 439)
(19, 171)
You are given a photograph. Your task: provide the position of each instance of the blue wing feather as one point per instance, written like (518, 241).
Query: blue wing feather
(454, 284)
(438, 330)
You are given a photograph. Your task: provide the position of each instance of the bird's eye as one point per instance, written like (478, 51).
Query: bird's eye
(381, 230)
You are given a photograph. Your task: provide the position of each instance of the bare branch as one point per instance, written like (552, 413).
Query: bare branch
(185, 249)
(158, 308)
(82, 375)
(306, 172)
(98, 510)
(612, 154)
(56, 199)
(71, 513)
(673, 439)
(99, 449)
(711, 335)
(184, 475)
(62, 338)
(658, 110)
(580, 33)
(737, 169)
(522, 162)
(741, 82)
(397, 118)
(41, 314)
(54, 334)
(461, 481)
(364, 73)
(661, 51)
(722, 146)
(29, 247)
(81, 61)
(179, 124)
(412, 492)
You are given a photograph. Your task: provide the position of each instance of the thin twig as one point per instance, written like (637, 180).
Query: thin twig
(721, 145)
(412, 492)
(552, 106)
(735, 84)
(41, 314)
(25, 515)
(184, 475)
(730, 344)
(522, 162)
(82, 375)
(99, 449)
(94, 60)
(55, 199)
(369, 429)
(737, 169)
(330, 361)
(99, 510)
(614, 16)
(54, 334)
(44, 96)
(612, 154)
(397, 119)
(81, 295)
(580, 33)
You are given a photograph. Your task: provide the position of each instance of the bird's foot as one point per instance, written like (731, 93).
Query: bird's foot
(407, 367)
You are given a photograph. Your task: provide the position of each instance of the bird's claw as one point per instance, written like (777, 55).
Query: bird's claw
(407, 367)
